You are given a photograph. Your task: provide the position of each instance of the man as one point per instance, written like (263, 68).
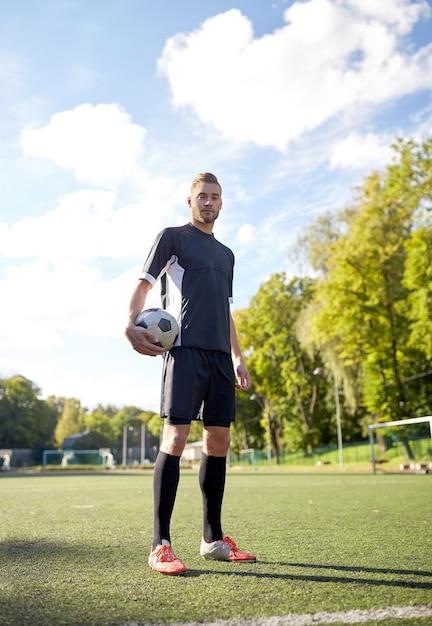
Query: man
(198, 378)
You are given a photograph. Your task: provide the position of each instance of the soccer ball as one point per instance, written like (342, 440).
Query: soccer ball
(161, 324)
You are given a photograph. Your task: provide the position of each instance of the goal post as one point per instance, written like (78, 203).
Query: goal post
(249, 453)
(69, 458)
(412, 420)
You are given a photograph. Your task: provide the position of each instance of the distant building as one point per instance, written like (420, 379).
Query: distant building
(193, 451)
(70, 442)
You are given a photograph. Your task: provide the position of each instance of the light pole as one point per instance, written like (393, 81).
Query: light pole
(264, 407)
(338, 422)
(316, 372)
(124, 451)
(125, 442)
(142, 443)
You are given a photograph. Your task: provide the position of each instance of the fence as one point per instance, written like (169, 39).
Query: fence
(353, 453)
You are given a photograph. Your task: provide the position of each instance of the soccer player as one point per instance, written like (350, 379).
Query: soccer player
(200, 372)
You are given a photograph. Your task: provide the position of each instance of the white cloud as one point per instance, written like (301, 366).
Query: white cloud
(52, 317)
(69, 296)
(128, 378)
(87, 225)
(401, 14)
(75, 229)
(66, 290)
(246, 233)
(361, 152)
(330, 59)
(107, 386)
(99, 143)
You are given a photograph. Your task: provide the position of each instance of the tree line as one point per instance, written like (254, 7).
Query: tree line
(361, 328)
(27, 421)
(356, 329)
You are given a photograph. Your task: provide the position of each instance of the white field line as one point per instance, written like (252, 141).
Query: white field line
(311, 619)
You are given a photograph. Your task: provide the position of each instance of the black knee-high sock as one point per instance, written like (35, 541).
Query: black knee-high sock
(212, 475)
(165, 482)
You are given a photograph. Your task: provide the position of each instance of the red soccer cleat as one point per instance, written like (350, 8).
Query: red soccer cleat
(163, 560)
(225, 550)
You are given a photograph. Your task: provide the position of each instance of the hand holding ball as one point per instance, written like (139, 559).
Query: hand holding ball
(161, 324)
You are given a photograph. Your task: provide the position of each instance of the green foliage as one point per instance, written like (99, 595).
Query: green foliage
(71, 420)
(281, 369)
(418, 281)
(247, 430)
(98, 421)
(371, 310)
(25, 420)
(155, 425)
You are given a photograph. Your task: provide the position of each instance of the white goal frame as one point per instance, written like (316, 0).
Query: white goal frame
(412, 420)
(251, 451)
(104, 453)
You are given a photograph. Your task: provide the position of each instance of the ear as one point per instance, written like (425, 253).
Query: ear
(189, 201)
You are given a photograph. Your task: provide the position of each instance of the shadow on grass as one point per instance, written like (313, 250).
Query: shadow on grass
(407, 584)
(346, 579)
(43, 552)
(46, 554)
(44, 549)
(371, 570)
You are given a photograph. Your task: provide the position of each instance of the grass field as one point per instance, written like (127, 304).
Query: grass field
(74, 549)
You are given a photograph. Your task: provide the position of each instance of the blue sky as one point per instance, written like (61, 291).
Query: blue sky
(109, 108)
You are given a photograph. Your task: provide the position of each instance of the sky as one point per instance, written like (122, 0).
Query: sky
(109, 108)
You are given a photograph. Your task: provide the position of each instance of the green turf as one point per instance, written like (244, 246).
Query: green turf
(74, 549)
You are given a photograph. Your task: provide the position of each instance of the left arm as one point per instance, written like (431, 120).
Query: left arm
(240, 369)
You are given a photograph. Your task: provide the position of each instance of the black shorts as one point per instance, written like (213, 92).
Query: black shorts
(198, 384)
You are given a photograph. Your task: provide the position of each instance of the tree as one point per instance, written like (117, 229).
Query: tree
(133, 419)
(418, 281)
(362, 308)
(26, 421)
(246, 431)
(281, 368)
(71, 420)
(103, 431)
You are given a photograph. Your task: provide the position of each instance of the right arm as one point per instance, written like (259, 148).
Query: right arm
(140, 338)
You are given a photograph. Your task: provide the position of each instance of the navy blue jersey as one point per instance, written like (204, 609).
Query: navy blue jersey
(196, 274)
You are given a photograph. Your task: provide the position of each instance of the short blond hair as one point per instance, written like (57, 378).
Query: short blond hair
(205, 177)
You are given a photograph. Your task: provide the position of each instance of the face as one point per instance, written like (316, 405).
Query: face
(205, 202)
